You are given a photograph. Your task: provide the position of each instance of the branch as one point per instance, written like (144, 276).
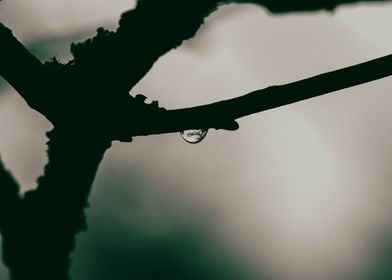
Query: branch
(73, 160)
(24, 72)
(222, 114)
(115, 61)
(87, 100)
(53, 214)
(287, 6)
(144, 34)
(9, 197)
(107, 66)
(153, 28)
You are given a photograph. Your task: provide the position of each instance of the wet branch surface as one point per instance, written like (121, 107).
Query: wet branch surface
(87, 100)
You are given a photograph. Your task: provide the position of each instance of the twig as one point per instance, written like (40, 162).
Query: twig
(23, 71)
(288, 6)
(222, 114)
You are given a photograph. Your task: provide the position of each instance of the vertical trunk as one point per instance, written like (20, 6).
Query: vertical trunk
(38, 242)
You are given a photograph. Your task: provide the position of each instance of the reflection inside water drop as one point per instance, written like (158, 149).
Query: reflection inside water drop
(194, 136)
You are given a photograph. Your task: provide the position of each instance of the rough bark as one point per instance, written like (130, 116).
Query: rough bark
(88, 102)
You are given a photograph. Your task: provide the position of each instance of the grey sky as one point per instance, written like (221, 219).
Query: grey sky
(302, 192)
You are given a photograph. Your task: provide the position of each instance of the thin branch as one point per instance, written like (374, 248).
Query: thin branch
(288, 6)
(87, 101)
(23, 71)
(107, 66)
(153, 28)
(222, 114)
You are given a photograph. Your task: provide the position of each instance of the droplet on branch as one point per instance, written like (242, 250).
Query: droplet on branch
(194, 136)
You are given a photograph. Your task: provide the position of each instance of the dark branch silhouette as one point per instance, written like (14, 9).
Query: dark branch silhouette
(9, 198)
(87, 100)
(223, 113)
(287, 6)
(22, 70)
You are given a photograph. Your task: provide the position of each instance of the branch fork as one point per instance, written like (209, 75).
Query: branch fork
(88, 102)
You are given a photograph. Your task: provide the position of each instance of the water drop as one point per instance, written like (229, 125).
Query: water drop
(194, 136)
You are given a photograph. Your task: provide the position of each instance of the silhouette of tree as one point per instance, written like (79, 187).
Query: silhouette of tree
(88, 103)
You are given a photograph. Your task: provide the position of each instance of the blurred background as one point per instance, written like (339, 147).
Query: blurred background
(299, 192)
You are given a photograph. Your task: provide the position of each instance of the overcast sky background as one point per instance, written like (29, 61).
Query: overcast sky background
(299, 192)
